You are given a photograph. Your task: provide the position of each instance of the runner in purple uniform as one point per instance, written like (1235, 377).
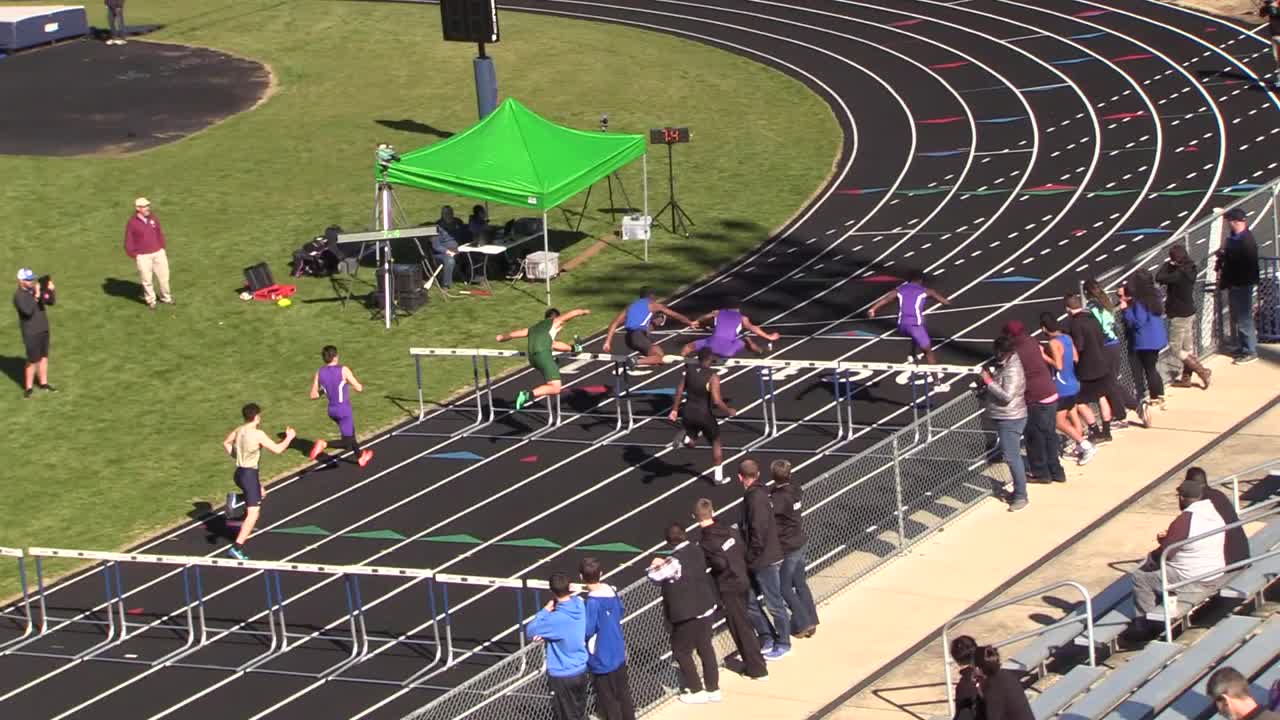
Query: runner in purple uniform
(336, 381)
(911, 296)
(727, 340)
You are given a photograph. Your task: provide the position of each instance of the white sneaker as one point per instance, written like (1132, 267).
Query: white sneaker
(719, 475)
(1086, 454)
(694, 698)
(713, 696)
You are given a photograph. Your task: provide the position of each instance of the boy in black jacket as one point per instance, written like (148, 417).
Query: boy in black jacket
(1237, 268)
(787, 499)
(689, 602)
(722, 549)
(764, 560)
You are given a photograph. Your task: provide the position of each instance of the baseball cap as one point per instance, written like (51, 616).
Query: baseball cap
(26, 274)
(1235, 214)
(141, 202)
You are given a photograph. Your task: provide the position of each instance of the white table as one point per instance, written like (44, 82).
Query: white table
(488, 250)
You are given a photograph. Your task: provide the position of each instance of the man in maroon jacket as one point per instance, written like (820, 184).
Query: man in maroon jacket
(144, 242)
(1042, 403)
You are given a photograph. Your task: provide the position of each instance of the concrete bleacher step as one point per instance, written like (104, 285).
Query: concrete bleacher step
(1040, 649)
(1123, 680)
(1068, 687)
(1190, 665)
(1265, 538)
(1260, 688)
(1249, 659)
(1253, 579)
(1109, 627)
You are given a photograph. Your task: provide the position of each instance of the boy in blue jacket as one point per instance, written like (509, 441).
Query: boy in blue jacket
(608, 660)
(561, 625)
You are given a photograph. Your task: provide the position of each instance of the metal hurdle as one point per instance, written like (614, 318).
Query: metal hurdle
(845, 375)
(440, 654)
(27, 619)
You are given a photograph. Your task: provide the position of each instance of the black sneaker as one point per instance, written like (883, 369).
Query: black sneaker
(26, 393)
(1245, 359)
(48, 388)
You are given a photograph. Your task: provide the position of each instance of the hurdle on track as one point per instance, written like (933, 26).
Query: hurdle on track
(846, 376)
(438, 653)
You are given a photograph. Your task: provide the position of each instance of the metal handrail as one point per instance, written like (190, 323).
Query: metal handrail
(1088, 618)
(1256, 512)
(1235, 479)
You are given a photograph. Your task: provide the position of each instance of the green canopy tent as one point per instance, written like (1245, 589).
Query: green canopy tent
(516, 157)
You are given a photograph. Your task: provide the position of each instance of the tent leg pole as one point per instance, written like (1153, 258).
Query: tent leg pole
(645, 162)
(546, 247)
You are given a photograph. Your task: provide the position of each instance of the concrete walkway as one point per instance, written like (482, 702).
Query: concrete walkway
(885, 614)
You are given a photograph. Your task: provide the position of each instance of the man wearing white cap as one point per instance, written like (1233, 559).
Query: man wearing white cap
(144, 242)
(30, 300)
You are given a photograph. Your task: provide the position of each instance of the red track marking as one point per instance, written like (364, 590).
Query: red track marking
(1124, 115)
(134, 611)
(1138, 56)
(949, 65)
(880, 279)
(594, 389)
(1052, 186)
(941, 120)
(904, 23)
(529, 459)
(1089, 13)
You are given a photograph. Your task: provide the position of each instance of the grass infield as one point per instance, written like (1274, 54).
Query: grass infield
(132, 441)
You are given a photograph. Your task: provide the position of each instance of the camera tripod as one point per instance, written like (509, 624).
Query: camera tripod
(680, 220)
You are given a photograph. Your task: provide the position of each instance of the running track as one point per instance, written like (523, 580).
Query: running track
(1005, 147)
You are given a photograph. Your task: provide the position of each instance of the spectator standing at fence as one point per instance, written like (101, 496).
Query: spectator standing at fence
(788, 500)
(1230, 692)
(1006, 396)
(1100, 305)
(722, 549)
(689, 603)
(1097, 381)
(1144, 319)
(968, 693)
(1042, 404)
(1001, 694)
(144, 242)
(764, 559)
(561, 625)
(607, 651)
(1178, 275)
(1194, 559)
(1237, 265)
(1061, 354)
(1271, 12)
(115, 21)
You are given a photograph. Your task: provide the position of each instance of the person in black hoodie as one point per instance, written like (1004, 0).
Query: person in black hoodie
(689, 602)
(1178, 275)
(967, 691)
(1238, 274)
(1001, 694)
(764, 560)
(722, 548)
(787, 499)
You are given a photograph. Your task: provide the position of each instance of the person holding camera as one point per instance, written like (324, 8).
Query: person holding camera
(144, 243)
(1237, 266)
(30, 300)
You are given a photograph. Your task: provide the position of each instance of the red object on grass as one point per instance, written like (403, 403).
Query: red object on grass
(271, 293)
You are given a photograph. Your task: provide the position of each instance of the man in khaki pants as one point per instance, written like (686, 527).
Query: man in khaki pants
(144, 242)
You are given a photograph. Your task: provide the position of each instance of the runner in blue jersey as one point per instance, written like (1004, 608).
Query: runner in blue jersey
(1061, 354)
(337, 381)
(911, 296)
(637, 318)
(727, 339)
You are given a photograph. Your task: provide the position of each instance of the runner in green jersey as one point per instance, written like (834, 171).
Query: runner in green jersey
(542, 348)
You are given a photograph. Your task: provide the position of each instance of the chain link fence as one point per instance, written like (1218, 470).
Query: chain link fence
(860, 514)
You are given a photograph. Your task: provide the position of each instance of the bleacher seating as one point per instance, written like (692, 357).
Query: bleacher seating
(1164, 681)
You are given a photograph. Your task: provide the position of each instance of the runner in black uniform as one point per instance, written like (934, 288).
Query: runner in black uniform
(702, 384)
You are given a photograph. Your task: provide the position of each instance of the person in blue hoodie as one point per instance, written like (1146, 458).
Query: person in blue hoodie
(1144, 315)
(608, 653)
(562, 626)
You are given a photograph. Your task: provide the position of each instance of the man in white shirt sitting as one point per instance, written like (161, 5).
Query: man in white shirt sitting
(1194, 559)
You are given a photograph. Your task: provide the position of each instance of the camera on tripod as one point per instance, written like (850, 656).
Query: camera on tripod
(386, 154)
(604, 122)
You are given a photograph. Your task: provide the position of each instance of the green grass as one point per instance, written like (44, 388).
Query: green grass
(133, 439)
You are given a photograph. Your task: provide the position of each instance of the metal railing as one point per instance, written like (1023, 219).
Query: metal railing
(1256, 512)
(859, 515)
(946, 646)
(25, 618)
(1234, 480)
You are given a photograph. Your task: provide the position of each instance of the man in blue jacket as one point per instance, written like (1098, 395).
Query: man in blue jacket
(562, 626)
(608, 660)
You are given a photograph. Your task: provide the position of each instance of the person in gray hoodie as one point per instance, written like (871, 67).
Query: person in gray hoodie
(1005, 394)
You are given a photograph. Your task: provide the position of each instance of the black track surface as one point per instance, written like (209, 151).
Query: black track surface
(86, 97)
(985, 141)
